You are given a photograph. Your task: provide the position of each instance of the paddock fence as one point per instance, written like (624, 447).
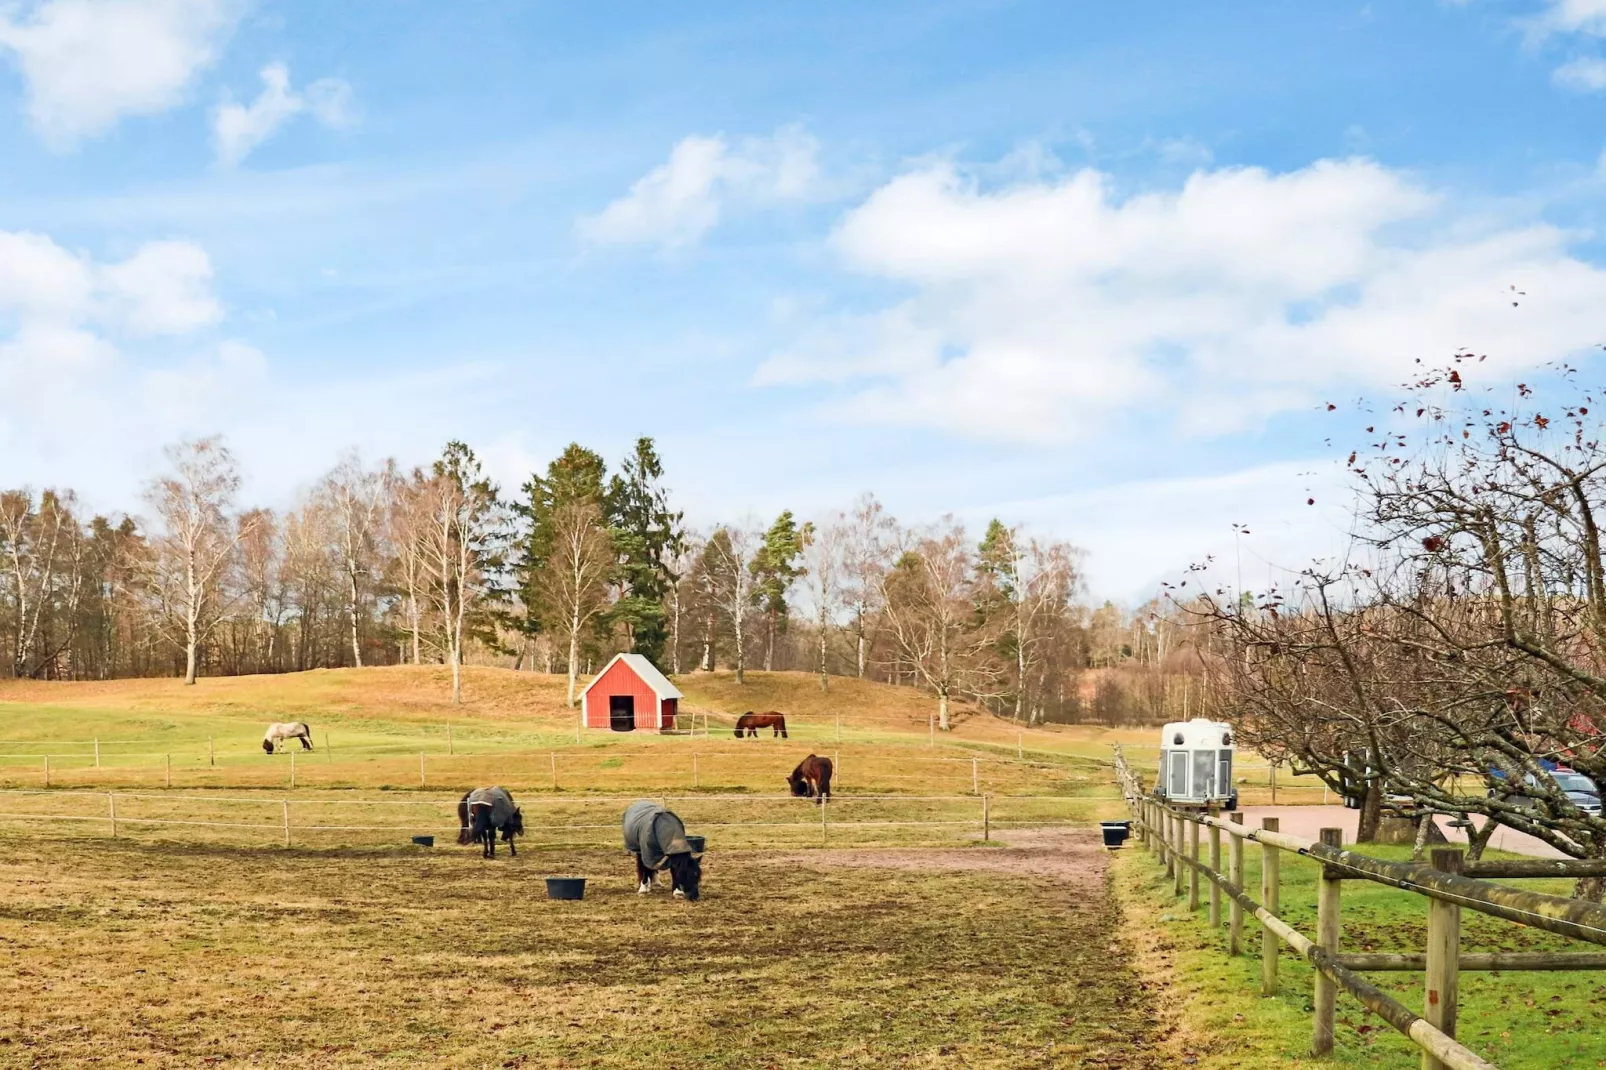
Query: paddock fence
(1449, 885)
(344, 819)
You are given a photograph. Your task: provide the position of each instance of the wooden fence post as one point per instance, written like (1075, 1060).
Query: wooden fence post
(1235, 877)
(1444, 958)
(1165, 838)
(986, 818)
(836, 768)
(696, 773)
(287, 822)
(1328, 929)
(449, 749)
(554, 756)
(47, 770)
(423, 783)
(170, 769)
(211, 754)
(1270, 893)
(1193, 867)
(292, 770)
(111, 812)
(975, 777)
(1215, 870)
(97, 754)
(931, 728)
(1020, 745)
(824, 835)
(1179, 849)
(1272, 775)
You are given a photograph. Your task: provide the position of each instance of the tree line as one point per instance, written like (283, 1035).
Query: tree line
(378, 565)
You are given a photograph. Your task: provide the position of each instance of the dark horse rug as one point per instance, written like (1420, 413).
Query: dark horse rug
(485, 811)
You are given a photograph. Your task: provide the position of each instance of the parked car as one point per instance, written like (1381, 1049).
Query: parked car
(1580, 790)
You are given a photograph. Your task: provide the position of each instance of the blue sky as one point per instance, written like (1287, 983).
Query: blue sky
(1091, 267)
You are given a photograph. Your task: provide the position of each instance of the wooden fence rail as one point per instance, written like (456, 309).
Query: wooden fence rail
(1448, 884)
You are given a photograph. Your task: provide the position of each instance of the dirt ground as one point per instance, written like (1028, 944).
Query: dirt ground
(164, 955)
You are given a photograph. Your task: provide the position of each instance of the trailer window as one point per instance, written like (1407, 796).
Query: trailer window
(1204, 767)
(1224, 774)
(1177, 782)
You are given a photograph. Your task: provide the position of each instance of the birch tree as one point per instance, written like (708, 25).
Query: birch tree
(577, 574)
(463, 547)
(355, 498)
(869, 543)
(822, 556)
(927, 601)
(407, 530)
(199, 538)
(732, 551)
(42, 551)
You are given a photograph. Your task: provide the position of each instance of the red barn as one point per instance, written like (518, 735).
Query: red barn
(628, 694)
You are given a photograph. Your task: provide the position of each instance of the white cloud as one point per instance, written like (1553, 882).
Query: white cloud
(1042, 310)
(237, 129)
(679, 201)
(1586, 74)
(66, 311)
(1575, 16)
(90, 63)
(164, 288)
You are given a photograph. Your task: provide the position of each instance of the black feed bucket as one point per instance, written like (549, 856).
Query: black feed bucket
(565, 887)
(1115, 832)
(696, 843)
(424, 841)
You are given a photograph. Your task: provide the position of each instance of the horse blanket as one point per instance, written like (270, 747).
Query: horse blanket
(500, 802)
(654, 834)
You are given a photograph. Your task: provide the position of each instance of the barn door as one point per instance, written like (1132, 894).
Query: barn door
(622, 713)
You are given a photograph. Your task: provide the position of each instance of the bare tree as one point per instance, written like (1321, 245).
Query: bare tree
(731, 551)
(42, 575)
(356, 501)
(869, 545)
(407, 531)
(198, 540)
(822, 555)
(463, 546)
(579, 567)
(928, 606)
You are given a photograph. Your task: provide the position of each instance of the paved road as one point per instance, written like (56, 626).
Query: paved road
(1308, 821)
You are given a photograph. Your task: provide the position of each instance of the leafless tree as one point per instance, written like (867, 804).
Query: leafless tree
(42, 577)
(580, 566)
(823, 548)
(463, 546)
(731, 553)
(869, 546)
(198, 540)
(356, 501)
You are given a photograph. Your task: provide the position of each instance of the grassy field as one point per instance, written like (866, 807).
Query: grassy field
(1520, 1021)
(167, 956)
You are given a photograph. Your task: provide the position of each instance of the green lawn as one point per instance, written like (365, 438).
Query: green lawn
(1519, 1021)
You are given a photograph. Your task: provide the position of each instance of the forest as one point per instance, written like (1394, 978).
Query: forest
(377, 565)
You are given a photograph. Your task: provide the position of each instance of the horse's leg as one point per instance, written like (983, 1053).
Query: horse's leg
(643, 877)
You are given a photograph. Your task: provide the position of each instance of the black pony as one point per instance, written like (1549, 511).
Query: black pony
(484, 812)
(657, 838)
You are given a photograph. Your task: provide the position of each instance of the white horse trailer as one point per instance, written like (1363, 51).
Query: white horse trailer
(1196, 764)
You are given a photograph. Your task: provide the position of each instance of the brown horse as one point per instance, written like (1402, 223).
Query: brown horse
(812, 778)
(749, 723)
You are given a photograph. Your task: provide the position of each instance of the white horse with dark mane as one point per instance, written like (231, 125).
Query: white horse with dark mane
(279, 732)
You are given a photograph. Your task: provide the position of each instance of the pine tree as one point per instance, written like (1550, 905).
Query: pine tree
(647, 534)
(775, 569)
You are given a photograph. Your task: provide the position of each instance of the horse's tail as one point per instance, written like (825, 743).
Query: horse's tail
(463, 836)
(825, 777)
(306, 735)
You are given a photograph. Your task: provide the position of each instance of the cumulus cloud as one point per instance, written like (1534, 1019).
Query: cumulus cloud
(1041, 310)
(90, 63)
(1586, 74)
(67, 312)
(237, 129)
(682, 199)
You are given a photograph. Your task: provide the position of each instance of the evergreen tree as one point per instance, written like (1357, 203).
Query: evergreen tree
(647, 534)
(775, 568)
(575, 476)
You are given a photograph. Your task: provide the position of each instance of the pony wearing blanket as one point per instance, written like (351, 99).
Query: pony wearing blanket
(278, 733)
(484, 812)
(658, 840)
(749, 723)
(812, 778)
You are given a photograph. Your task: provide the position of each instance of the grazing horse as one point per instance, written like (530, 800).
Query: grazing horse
(658, 840)
(812, 778)
(749, 723)
(279, 732)
(484, 812)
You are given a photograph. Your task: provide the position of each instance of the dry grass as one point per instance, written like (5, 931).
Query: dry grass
(162, 956)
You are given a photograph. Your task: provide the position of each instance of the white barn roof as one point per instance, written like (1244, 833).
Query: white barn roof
(643, 668)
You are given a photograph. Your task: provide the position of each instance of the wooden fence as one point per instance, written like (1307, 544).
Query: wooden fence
(1449, 884)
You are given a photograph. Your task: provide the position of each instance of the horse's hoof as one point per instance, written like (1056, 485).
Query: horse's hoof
(679, 894)
(643, 889)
